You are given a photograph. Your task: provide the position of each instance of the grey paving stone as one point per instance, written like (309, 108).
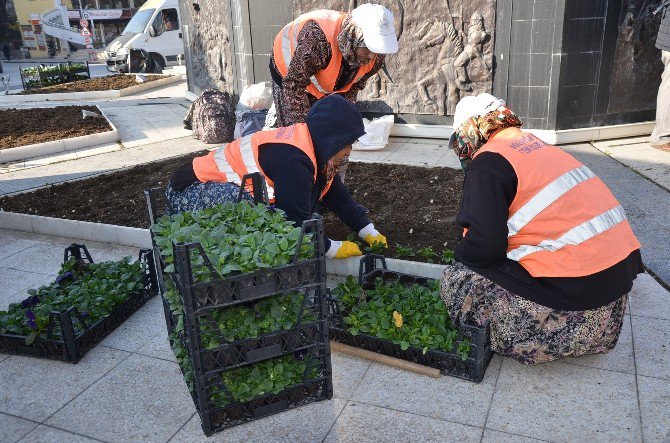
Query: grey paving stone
(364, 423)
(309, 423)
(12, 429)
(655, 408)
(348, 372)
(13, 242)
(14, 285)
(649, 299)
(142, 399)
(47, 434)
(563, 402)
(144, 325)
(491, 436)
(36, 388)
(446, 398)
(618, 359)
(651, 338)
(158, 347)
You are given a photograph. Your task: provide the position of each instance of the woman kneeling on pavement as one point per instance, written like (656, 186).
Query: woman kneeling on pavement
(547, 256)
(300, 165)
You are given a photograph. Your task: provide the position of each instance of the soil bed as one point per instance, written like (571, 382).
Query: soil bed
(20, 127)
(108, 83)
(412, 206)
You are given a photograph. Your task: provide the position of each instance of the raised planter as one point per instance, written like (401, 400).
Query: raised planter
(66, 144)
(69, 334)
(449, 363)
(89, 95)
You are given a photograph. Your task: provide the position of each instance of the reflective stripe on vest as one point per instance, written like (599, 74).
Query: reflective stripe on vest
(323, 82)
(563, 221)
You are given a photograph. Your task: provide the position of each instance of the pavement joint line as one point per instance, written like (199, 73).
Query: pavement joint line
(518, 435)
(488, 411)
(656, 277)
(89, 387)
(64, 430)
(26, 419)
(182, 427)
(346, 402)
(23, 270)
(637, 383)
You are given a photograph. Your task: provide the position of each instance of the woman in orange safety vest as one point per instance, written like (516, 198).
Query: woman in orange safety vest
(547, 256)
(328, 52)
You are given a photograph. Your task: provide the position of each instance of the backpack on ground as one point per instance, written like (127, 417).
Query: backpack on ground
(212, 117)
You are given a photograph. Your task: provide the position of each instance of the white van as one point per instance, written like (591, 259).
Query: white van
(155, 28)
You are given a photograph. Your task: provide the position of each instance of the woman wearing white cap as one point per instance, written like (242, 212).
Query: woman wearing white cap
(547, 255)
(324, 52)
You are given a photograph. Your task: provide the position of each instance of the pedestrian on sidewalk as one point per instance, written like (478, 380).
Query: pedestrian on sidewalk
(547, 256)
(660, 138)
(6, 50)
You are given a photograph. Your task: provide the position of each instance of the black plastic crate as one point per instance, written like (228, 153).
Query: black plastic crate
(66, 344)
(449, 363)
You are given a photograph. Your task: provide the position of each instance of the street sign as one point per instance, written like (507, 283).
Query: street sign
(83, 23)
(85, 32)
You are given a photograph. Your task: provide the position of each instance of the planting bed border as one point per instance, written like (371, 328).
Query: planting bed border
(449, 363)
(67, 144)
(90, 95)
(71, 348)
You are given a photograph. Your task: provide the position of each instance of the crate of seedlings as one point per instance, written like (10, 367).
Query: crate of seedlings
(403, 316)
(43, 75)
(245, 308)
(86, 302)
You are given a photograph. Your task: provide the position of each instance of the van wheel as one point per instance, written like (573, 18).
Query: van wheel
(158, 64)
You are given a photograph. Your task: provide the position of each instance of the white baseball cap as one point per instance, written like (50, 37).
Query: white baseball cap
(475, 106)
(378, 28)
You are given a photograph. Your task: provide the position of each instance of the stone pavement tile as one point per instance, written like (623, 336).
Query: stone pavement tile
(348, 371)
(375, 156)
(144, 325)
(620, 141)
(12, 429)
(364, 423)
(142, 399)
(655, 408)
(309, 423)
(418, 154)
(47, 434)
(36, 388)
(446, 398)
(643, 158)
(565, 402)
(449, 161)
(651, 338)
(618, 359)
(14, 285)
(429, 141)
(491, 436)
(158, 347)
(12, 242)
(96, 150)
(649, 299)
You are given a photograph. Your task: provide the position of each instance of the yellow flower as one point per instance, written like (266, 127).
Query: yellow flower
(397, 319)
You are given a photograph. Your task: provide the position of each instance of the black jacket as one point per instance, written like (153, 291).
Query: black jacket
(490, 186)
(333, 123)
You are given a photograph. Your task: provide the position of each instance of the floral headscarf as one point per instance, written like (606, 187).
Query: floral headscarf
(350, 38)
(472, 134)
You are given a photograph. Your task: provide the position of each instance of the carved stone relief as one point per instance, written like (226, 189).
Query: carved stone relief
(637, 63)
(446, 52)
(210, 48)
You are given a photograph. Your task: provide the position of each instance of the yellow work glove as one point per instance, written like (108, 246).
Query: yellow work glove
(372, 236)
(343, 249)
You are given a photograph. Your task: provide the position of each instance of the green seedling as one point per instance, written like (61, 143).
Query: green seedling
(404, 251)
(428, 254)
(448, 257)
(375, 248)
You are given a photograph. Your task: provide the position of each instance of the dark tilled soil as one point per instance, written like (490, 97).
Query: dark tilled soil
(411, 206)
(94, 84)
(20, 127)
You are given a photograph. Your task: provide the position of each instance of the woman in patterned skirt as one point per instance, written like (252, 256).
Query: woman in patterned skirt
(547, 256)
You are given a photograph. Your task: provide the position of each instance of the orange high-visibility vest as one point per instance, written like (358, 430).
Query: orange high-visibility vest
(564, 221)
(238, 158)
(323, 82)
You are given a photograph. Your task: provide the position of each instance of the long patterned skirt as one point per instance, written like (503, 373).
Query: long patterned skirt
(525, 330)
(199, 196)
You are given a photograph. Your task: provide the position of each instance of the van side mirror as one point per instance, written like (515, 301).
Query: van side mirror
(152, 31)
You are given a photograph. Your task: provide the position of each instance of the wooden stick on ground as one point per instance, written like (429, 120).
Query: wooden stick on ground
(385, 359)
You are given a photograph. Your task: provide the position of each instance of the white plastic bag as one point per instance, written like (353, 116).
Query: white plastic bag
(376, 134)
(255, 97)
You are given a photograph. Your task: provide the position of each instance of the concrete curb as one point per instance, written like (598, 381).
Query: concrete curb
(66, 144)
(141, 238)
(89, 95)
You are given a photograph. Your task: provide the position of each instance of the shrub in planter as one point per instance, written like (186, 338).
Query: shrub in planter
(86, 301)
